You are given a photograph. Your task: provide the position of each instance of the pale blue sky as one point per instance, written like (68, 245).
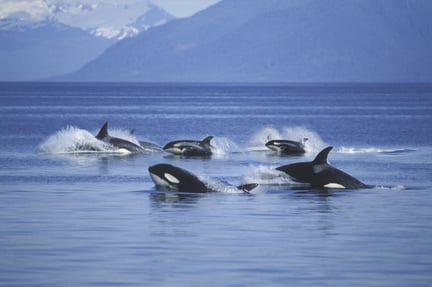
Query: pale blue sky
(178, 8)
(184, 8)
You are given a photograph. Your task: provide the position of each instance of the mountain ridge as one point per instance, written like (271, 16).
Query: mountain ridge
(278, 41)
(47, 49)
(108, 20)
(39, 46)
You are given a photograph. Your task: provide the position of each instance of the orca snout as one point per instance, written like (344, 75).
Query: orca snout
(157, 174)
(247, 187)
(274, 145)
(159, 169)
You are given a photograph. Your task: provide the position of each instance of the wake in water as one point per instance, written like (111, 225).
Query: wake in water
(217, 185)
(372, 150)
(73, 140)
(266, 175)
(261, 137)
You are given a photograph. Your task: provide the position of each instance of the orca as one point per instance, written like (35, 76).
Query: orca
(167, 176)
(190, 147)
(287, 147)
(150, 147)
(118, 142)
(320, 174)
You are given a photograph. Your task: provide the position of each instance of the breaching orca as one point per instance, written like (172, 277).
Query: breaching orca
(175, 178)
(118, 142)
(190, 147)
(287, 147)
(319, 174)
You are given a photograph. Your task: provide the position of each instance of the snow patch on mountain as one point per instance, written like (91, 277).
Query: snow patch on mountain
(105, 18)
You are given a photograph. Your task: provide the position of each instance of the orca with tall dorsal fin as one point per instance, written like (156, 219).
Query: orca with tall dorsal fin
(190, 147)
(320, 174)
(118, 142)
(175, 178)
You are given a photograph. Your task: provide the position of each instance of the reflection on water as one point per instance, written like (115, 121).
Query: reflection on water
(161, 199)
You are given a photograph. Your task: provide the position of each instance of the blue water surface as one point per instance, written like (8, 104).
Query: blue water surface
(96, 219)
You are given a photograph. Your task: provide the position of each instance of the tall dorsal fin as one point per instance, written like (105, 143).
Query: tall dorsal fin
(103, 133)
(207, 140)
(322, 156)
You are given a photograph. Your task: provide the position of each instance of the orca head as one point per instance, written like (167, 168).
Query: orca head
(173, 149)
(286, 146)
(273, 145)
(163, 175)
(175, 178)
(178, 147)
(190, 147)
(247, 187)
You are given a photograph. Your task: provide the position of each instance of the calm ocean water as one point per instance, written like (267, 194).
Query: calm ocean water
(70, 219)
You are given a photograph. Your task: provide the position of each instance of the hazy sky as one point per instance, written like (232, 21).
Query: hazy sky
(184, 8)
(178, 8)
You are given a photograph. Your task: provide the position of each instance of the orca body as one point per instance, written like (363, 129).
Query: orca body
(148, 146)
(287, 147)
(151, 147)
(175, 178)
(320, 174)
(118, 142)
(190, 147)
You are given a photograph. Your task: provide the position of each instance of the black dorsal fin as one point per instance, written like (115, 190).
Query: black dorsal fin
(103, 133)
(207, 140)
(322, 156)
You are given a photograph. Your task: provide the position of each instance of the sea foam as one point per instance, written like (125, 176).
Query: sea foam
(76, 140)
(313, 144)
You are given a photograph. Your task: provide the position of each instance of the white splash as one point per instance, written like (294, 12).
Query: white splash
(313, 144)
(73, 139)
(371, 150)
(397, 187)
(266, 175)
(223, 145)
(218, 185)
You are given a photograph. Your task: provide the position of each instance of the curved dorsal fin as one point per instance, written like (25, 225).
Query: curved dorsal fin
(322, 156)
(207, 140)
(103, 132)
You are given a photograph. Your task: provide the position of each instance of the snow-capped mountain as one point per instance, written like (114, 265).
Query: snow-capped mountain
(104, 18)
(41, 39)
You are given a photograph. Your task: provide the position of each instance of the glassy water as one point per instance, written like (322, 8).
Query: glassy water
(74, 219)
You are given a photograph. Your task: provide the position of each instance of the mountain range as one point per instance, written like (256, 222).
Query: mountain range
(278, 41)
(47, 38)
(103, 18)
